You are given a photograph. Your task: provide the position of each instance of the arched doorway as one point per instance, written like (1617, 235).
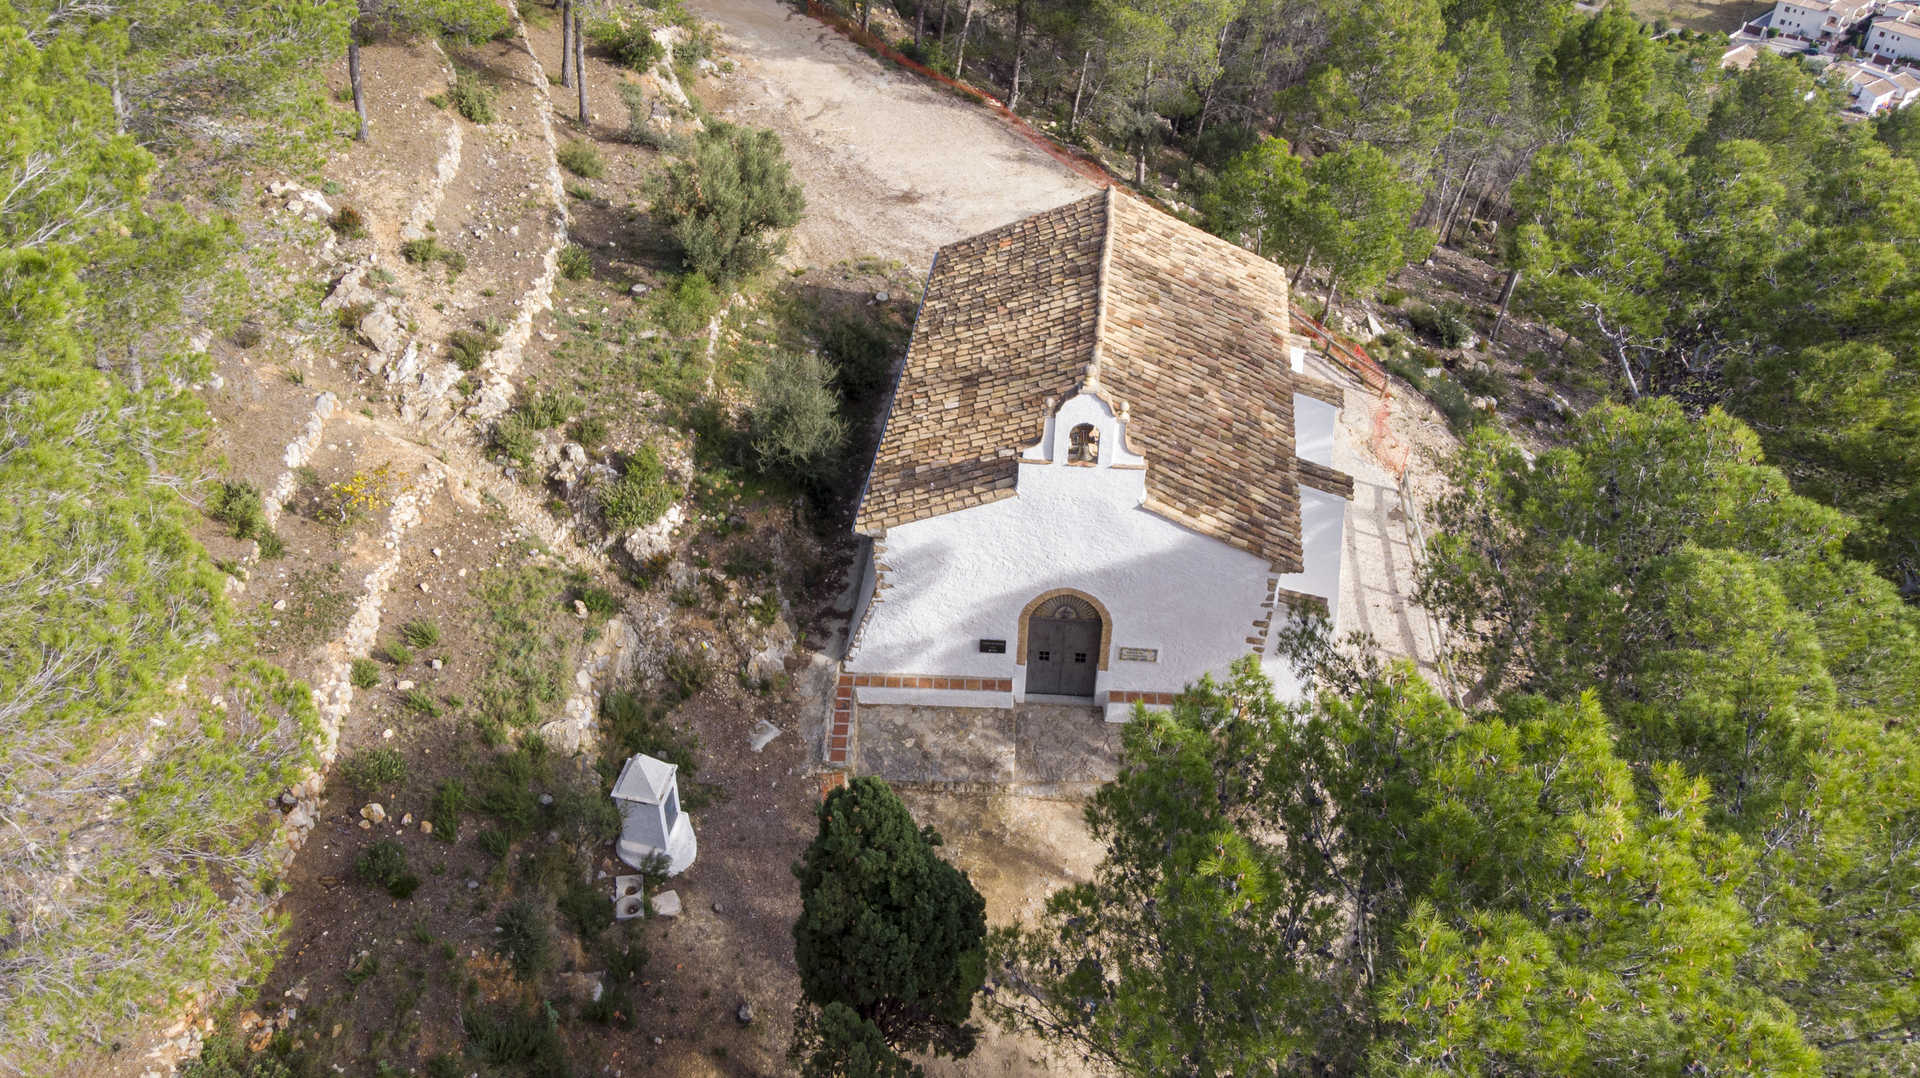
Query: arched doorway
(1064, 635)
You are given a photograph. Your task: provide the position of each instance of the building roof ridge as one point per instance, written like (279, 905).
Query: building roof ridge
(1101, 274)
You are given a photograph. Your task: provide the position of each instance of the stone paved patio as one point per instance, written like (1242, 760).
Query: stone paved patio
(1034, 748)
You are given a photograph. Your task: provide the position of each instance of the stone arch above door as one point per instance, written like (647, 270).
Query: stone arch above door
(1070, 602)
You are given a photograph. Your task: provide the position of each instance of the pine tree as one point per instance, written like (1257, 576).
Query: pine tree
(1377, 883)
(887, 929)
(1660, 563)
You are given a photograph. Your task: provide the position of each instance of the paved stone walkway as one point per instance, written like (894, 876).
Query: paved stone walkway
(1034, 748)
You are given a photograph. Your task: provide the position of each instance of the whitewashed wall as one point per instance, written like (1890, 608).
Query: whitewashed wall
(1314, 425)
(1323, 521)
(964, 576)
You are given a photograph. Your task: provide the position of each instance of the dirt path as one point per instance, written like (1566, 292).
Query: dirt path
(891, 166)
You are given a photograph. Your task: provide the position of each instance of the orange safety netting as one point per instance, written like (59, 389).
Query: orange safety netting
(1384, 444)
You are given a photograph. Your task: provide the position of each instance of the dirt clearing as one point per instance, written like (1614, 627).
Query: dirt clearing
(892, 167)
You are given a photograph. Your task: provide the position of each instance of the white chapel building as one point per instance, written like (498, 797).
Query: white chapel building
(1103, 473)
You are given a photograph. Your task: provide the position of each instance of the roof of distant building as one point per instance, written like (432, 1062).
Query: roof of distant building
(1898, 28)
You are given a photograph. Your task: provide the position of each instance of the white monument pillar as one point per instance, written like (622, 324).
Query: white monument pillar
(651, 819)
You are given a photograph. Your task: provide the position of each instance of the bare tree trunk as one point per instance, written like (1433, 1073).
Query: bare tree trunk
(1436, 203)
(1619, 342)
(1453, 214)
(1326, 308)
(1506, 297)
(580, 66)
(1301, 273)
(960, 58)
(1019, 51)
(1146, 111)
(866, 12)
(1478, 203)
(919, 23)
(353, 77)
(566, 42)
(1079, 92)
(1206, 100)
(943, 23)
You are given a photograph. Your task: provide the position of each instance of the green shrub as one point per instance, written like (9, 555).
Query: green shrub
(495, 843)
(581, 159)
(470, 348)
(729, 203)
(428, 249)
(624, 957)
(238, 506)
(1442, 325)
(795, 424)
(586, 908)
(685, 307)
(551, 408)
(764, 609)
(613, 1008)
(420, 702)
(271, 545)
(525, 938)
(449, 801)
(348, 316)
(395, 652)
(504, 788)
(1483, 380)
(347, 223)
(528, 1038)
(862, 350)
(1393, 297)
(1447, 395)
(696, 46)
(385, 863)
(575, 263)
(515, 438)
(369, 770)
(642, 133)
(420, 633)
(597, 600)
(641, 493)
(630, 45)
(224, 1056)
(472, 97)
(579, 191)
(364, 967)
(687, 671)
(589, 431)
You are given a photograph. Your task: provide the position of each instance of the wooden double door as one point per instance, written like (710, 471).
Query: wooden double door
(1063, 656)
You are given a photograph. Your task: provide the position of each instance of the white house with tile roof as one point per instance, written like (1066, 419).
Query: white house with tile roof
(1893, 38)
(1103, 473)
(1819, 20)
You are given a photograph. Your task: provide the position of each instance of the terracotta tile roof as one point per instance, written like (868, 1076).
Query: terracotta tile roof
(1188, 333)
(1897, 27)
